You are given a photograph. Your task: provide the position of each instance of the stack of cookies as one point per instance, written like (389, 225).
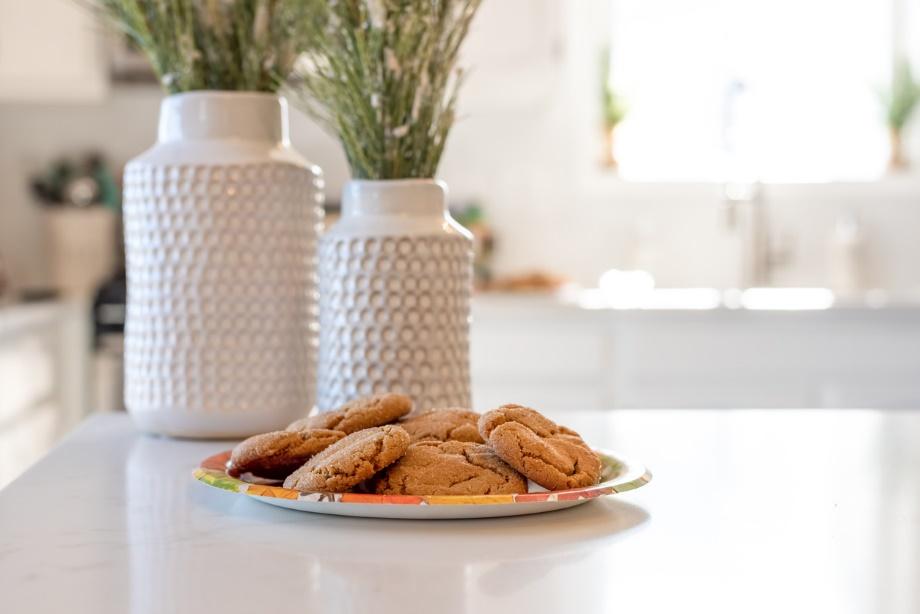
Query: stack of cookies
(376, 444)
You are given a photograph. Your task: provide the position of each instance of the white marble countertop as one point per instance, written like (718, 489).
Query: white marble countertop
(749, 511)
(660, 302)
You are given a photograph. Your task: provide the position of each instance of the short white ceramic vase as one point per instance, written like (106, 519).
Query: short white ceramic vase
(395, 275)
(221, 219)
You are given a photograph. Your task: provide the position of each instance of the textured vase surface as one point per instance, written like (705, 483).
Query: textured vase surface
(221, 220)
(395, 277)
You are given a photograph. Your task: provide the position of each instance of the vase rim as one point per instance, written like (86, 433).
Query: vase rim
(389, 185)
(394, 196)
(405, 180)
(225, 94)
(221, 114)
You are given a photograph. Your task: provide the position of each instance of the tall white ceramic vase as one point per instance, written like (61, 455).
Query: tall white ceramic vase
(221, 219)
(395, 278)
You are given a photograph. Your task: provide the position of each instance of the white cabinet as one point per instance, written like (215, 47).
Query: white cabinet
(51, 51)
(44, 351)
(533, 351)
(558, 357)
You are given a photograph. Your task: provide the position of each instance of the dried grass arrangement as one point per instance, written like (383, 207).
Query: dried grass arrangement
(382, 75)
(238, 45)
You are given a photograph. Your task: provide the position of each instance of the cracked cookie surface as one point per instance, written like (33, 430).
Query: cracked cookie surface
(359, 414)
(449, 468)
(553, 456)
(277, 454)
(451, 424)
(351, 460)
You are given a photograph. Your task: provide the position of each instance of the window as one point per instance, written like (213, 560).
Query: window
(769, 90)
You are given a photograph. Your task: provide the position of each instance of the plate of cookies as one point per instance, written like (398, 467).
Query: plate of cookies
(374, 457)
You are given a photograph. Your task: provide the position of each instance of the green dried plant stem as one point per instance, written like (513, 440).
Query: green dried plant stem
(241, 45)
(384, 80)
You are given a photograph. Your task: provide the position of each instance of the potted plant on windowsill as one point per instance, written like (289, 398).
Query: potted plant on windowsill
(221, 218)
(613, 111)
(900, 102)
(395, 272)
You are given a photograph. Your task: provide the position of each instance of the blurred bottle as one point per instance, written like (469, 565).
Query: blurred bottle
(847, 257)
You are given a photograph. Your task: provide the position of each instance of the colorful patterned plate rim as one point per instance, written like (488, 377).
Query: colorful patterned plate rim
(619, 475)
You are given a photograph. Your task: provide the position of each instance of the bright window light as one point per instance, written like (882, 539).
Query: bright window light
(787, 298)
(739, 90)
(683, 298)
(626, 289)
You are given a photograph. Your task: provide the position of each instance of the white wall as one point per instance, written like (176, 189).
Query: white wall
(527, 149)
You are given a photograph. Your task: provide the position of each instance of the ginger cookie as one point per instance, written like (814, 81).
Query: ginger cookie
(359, 414)
(277, 454)
(453, 424)
(553, 456)
(449, 468)
(351, 460)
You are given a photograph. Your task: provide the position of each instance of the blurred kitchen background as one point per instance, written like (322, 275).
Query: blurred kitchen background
(677, 204)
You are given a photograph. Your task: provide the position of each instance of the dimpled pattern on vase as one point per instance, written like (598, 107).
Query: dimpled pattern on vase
(221, 290)
(394, 317)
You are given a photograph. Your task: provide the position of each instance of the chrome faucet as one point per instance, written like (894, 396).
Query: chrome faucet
(744, 212)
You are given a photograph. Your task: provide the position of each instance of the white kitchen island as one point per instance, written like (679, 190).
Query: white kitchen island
(749, 511)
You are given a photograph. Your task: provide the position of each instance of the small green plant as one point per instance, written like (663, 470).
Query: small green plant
(613, 110)
(900, 101)
(613, 107)
(382, 75)
(901, 98)
(244, 45)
